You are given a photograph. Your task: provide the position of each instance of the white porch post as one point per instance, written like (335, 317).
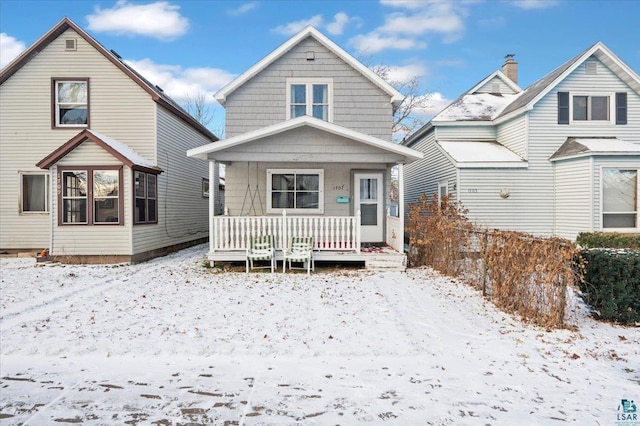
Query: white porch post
(212, 204)
(401, 203)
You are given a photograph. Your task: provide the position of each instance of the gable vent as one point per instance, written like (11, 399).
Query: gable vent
(591, 67)
(70, 44)
(495, 87)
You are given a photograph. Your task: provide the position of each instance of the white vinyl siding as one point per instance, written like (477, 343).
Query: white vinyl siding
(513, 135)
(493, 84)
(182, 211)
(358, 104)
(119, 108)
(447, 133)
(573, 196)
(422, 176)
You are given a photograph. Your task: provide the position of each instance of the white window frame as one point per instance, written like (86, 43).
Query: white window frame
(442, 184)
(612, 108)
(309, 82)
(56, 103)
(46, 192)
(602, 212)
(319, 172)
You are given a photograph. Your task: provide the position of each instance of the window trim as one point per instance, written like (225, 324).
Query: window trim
(442, 184)
(309, 82)
(601, 206)
(90, 198)
(47, 193)
(612, 108)
(146, 197)
(205, 188)
(54, 103)
(319, 172)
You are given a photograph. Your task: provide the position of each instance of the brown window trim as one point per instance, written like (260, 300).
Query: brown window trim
(133, 191)
(90, 170)
(54, 124)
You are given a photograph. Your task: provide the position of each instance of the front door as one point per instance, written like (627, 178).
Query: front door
(369, 200)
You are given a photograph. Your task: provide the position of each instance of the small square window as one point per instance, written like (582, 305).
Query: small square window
(297, 191)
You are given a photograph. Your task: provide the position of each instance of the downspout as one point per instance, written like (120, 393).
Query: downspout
(52, 184)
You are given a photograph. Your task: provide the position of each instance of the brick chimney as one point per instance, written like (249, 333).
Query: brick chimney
(510, 67)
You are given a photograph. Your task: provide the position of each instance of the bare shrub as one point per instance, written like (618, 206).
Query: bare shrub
(520, 273)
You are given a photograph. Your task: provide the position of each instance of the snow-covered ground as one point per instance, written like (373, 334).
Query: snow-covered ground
(171, 342)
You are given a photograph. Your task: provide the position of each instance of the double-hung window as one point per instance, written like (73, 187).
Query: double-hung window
(146, 194)
(70, 102)
(295, 190)
(620, 198)
(309, 97)
(90, 195)
(582, 108)
(34, 192)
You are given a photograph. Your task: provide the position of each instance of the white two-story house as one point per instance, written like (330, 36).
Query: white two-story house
(308, 152)
(92, 164)
(558, 158)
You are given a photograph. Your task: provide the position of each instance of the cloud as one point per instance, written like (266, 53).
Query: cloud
(403, 74)
(432, 104)
(244, 8)
(179, 82)
(337, 26)
(535, 4)
(293, 27)
(10, 48)
(442, 18)
(409, 28)
(368, 44)
(160, 20)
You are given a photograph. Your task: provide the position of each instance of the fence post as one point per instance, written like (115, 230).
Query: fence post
(285, 231)
(484, 262)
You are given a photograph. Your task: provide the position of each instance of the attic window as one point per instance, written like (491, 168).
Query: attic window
(591, 68)
(70, 44)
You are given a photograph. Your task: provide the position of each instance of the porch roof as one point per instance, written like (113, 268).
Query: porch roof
(583, 147)
(386, 151)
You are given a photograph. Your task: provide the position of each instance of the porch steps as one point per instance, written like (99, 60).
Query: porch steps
(386, 262)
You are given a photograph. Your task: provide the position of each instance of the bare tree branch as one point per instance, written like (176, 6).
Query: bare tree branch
(196, 106)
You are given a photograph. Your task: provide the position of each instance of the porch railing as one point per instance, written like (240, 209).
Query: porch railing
(329, 232)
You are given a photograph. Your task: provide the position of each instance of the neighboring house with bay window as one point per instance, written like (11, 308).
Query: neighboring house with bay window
(558, 158)
(308, 153)
(92, 163)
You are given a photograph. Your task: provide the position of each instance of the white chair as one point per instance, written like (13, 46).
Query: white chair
(261, 248)
(300, 250)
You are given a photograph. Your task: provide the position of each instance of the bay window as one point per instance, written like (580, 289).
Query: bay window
(295, 190)
(146, 196)
(90, 195)
(619, 198)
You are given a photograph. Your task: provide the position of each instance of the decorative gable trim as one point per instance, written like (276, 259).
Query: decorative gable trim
(66, 24)
(119, 150)
(309, 31)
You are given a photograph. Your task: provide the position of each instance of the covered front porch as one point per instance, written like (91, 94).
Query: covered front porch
(310, 178)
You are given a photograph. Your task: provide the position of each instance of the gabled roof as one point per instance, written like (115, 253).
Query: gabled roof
(155, 92)
(480, 154)
(543, 86)
(499, 74)
(119, 150)
(203, 151)
(584, 147)
(309, 31)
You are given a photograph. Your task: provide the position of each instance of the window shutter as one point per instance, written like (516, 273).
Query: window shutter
(621, 108)
(563, 107)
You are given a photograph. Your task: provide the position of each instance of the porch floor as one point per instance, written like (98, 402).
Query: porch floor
(374, 258)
